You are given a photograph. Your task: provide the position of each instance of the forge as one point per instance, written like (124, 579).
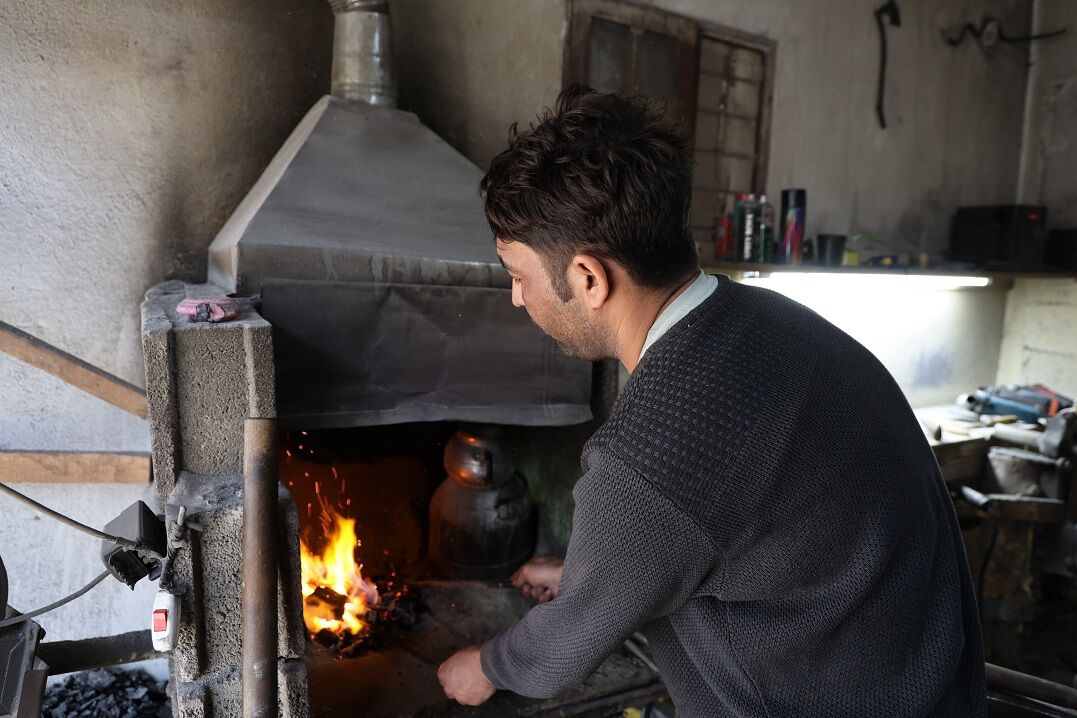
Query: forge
(427, 434)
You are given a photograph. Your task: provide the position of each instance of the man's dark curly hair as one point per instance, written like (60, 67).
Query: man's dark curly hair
(603, 174)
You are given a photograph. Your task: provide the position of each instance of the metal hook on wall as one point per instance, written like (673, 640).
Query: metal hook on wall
(892, 13)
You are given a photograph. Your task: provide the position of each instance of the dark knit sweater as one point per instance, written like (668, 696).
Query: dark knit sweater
(763, 505)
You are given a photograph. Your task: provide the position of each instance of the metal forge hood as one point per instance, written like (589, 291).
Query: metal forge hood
(366, 238)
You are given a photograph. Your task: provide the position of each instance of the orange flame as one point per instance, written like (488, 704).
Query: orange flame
(336, 569)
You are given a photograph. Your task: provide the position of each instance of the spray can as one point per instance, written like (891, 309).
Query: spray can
(724, 244)
(765, 245)
(794, 213)
(746, 226)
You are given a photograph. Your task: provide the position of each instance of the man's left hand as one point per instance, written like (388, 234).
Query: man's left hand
(462, 678)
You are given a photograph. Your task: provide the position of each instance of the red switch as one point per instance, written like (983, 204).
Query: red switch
(160, 619)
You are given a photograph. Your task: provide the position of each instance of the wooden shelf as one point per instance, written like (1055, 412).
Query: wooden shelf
(934, 271)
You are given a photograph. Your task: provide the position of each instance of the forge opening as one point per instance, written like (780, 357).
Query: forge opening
(363, 498)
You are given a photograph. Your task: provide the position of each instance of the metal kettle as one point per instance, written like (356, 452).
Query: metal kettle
(482, 521)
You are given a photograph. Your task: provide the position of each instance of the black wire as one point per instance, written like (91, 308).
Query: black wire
(977, 32)
(56, 604)
(966, 29)
(1029, 38)
(68, 521)
(984, 560)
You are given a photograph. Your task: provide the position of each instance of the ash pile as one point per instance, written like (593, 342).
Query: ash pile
(108, 693)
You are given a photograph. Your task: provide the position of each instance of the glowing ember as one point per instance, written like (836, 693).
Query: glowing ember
(336, 597)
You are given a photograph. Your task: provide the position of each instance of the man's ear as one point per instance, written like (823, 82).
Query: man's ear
(589, 279)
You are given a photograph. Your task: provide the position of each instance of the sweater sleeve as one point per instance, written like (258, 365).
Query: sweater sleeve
(633, 556)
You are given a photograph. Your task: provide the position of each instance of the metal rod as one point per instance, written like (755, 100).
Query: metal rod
(1010, 681)
(82, 655)
(260, 568)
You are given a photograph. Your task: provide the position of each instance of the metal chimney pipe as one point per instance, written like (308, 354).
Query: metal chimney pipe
(362, 52)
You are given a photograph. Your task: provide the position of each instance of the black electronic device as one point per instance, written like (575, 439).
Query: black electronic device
(137, 523)
(1061, 250)
(1008, 236)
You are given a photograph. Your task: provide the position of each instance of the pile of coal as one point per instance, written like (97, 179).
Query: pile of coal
(107, 693)
(400, 609)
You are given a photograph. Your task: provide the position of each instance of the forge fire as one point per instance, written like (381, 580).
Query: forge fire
(336, 597)
(343, 609)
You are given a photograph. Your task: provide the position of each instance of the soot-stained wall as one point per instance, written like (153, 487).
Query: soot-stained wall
(128, 133)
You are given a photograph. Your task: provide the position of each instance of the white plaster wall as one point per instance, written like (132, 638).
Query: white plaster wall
(38, 412)
(955, 115)
(128, 132)
(470, 68)
(1039, 342)
(1050, 150)
(1040, 339)
(936, 343)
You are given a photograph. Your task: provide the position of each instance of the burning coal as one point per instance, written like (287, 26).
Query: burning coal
(336, 597)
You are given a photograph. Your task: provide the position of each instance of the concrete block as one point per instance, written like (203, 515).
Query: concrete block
(220, 695)
(160, 393)
(202, 381)
(211, 568)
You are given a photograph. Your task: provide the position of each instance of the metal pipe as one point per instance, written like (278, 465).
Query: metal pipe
(363, 66)
(260, 568)
(1010, 681)
(82, 655)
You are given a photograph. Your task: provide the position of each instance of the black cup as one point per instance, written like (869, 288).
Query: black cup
(829, 249)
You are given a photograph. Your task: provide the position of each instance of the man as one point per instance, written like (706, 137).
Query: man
(761, 503)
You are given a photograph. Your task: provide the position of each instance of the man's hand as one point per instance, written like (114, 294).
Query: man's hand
(539, 578)
(462, 678)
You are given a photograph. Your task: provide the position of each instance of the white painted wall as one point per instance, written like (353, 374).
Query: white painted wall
(936, 343)
(1039, 341)
(128, 132)
(1050, 151)
(470, 68)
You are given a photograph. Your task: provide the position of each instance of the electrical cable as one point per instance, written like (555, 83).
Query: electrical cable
(66, 599)
(1030, 38)
(977, 32)
(68, 521)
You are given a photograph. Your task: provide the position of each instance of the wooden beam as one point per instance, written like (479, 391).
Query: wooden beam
(71, 467)
(72, 370)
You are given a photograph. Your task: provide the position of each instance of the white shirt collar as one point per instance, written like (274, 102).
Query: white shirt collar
(696, 293)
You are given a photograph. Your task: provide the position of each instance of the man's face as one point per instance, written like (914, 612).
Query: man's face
(575, 329)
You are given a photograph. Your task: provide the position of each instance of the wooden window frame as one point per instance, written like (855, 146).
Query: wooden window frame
(640, 19)
(769, 49)
(690, 33)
